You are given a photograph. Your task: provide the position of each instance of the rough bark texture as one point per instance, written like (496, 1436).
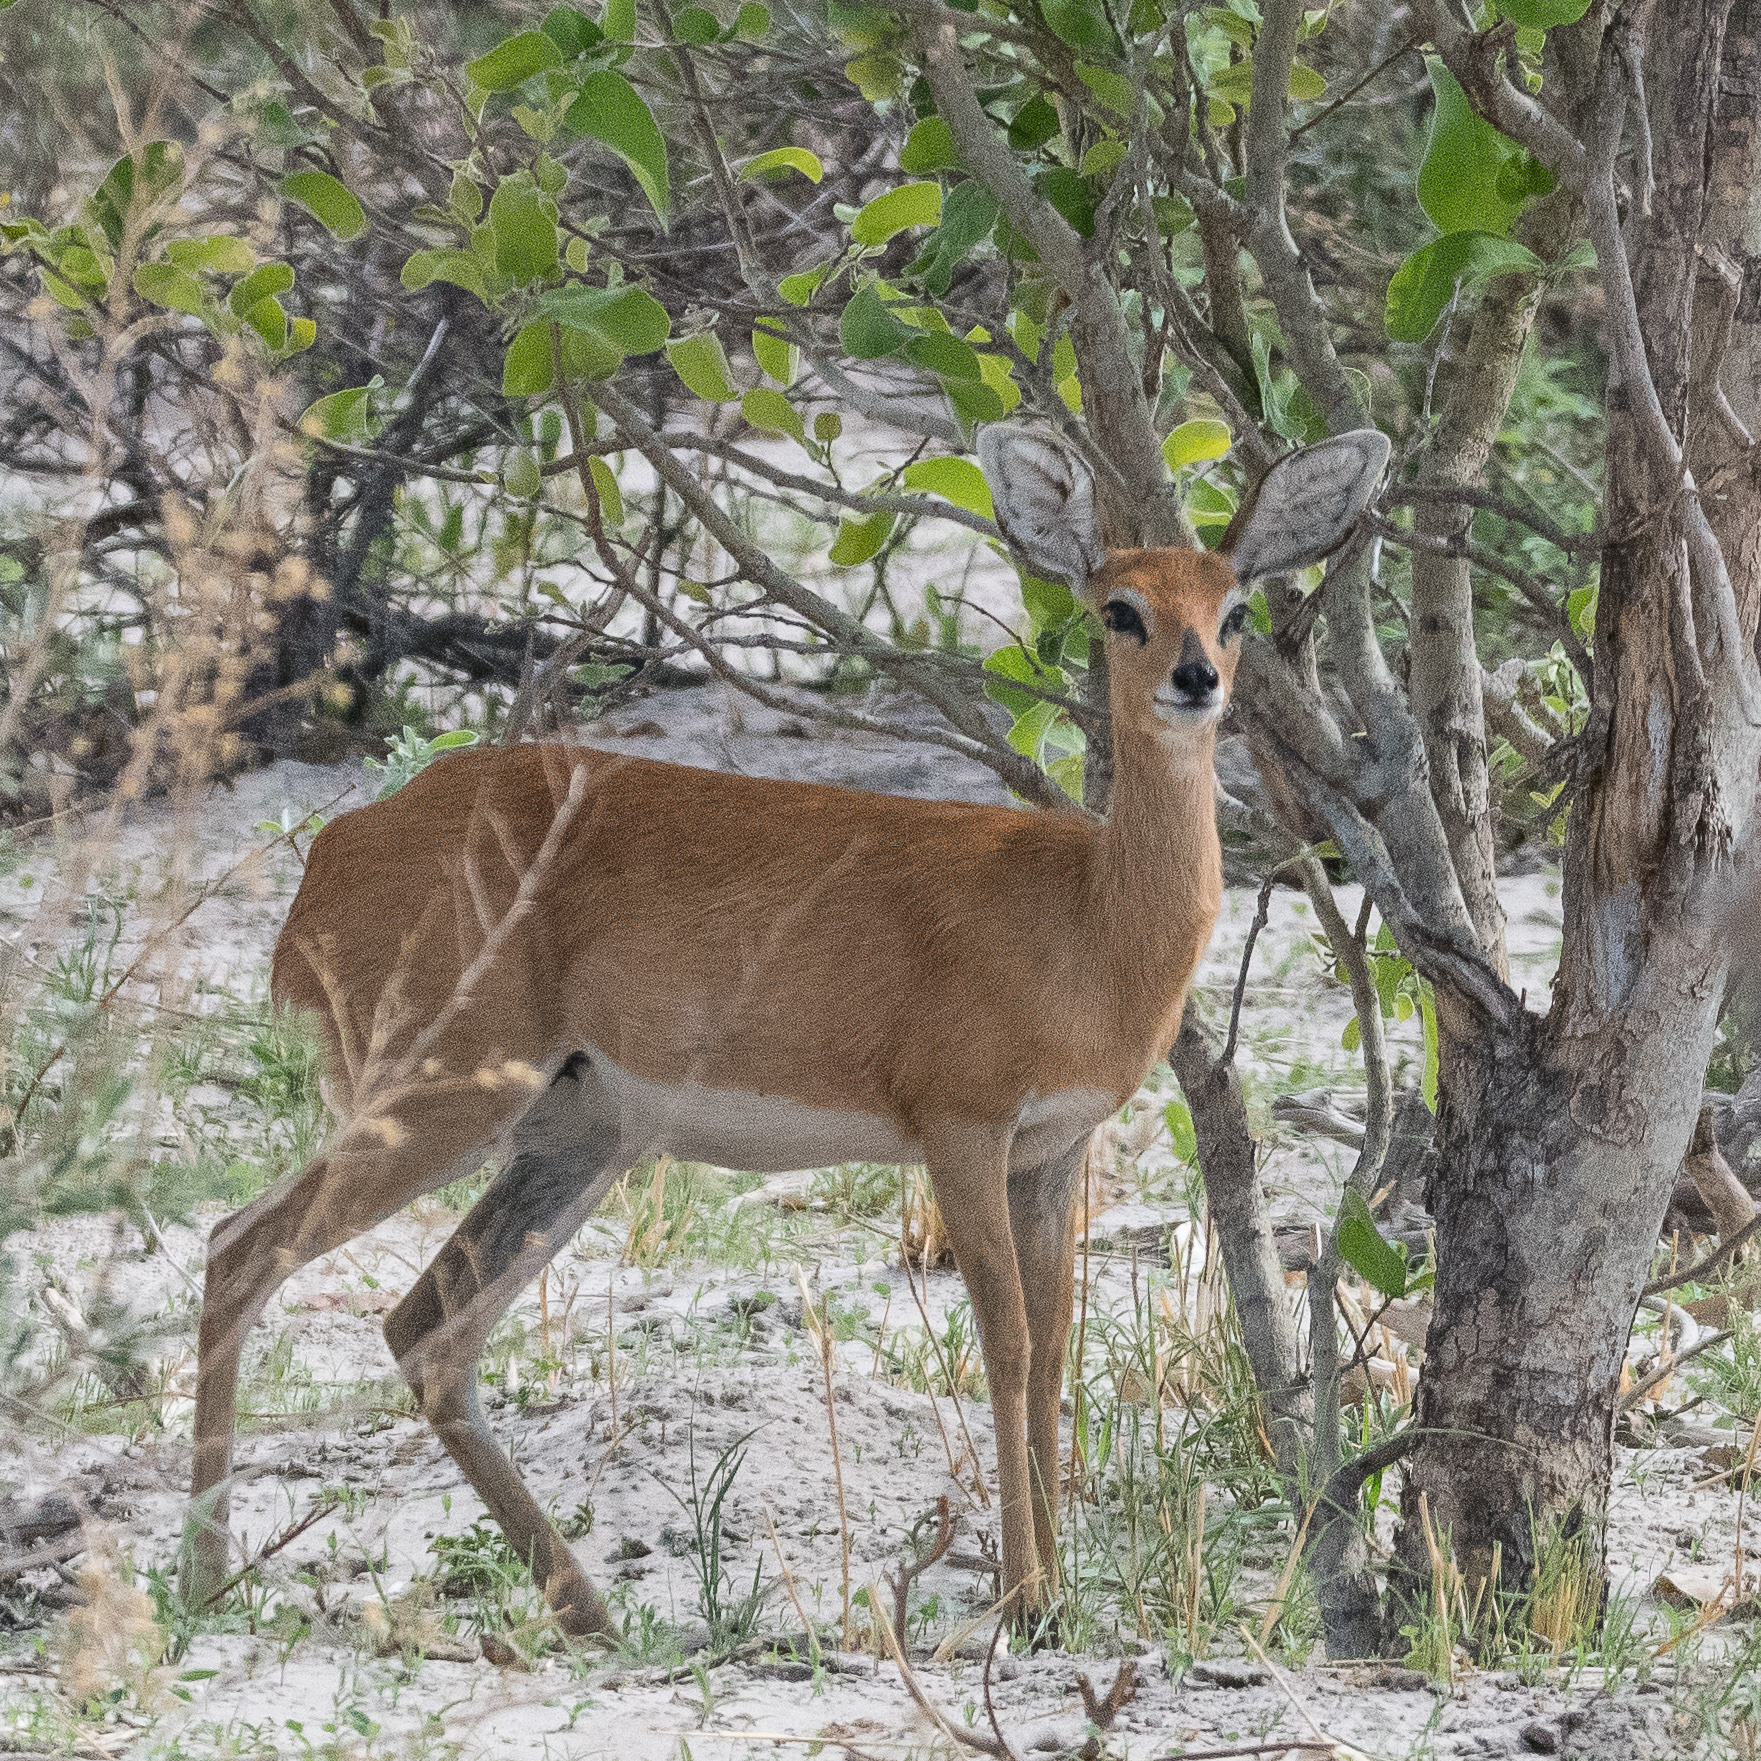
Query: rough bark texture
(1445, 673)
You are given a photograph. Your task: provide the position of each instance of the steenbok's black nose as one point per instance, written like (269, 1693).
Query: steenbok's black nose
(1196, 678)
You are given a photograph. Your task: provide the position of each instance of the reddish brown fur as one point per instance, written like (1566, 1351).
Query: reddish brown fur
(815, 942)
(938, 964)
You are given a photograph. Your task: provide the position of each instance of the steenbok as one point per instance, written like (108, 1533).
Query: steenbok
(590, 959)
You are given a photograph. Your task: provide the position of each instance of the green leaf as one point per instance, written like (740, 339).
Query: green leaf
(697, 25)
(1543, 15)
(778, 357)
(1580, 609)
(1425, 283)
(222, 254)
(328, 202)
(611, 497)
(610, 110)
(946, 356)
(520, 475)
(1173, 215)
(752, 21)
(702, 366)
(785, 159)
(1047, 603)
(513, 61)
(1522, 176)
(968, 215)
(1072, 195)
(302, 333)
(529, 369)
(1361, 1246)
(1209, 506)
(1194, 442)
(999, 376)
(343, 415)
(974, 401)
(163, 284)
(138, 185)
(1181, 1136)
(858, 540)
(573, 32)
(828, 425)
(525, 234)
(957, 480)
(276, 127)
(461, 268)
(868, 330)
(799, 289)
(1233, 85)
(1035, 123)
(928, 147)
(260, 284)
(1082, 24)
(1014, 662)
(618, 20)
(876, 77)
(1458, 181)
(912, 204)
(1236, 28)
(772, 412)
(1428, 1015)
(1114, 90)
(628, 317)
(269, 320)
(1032, 725)
(1305, 84)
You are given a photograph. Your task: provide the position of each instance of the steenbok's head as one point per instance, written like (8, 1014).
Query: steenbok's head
(1174, 617)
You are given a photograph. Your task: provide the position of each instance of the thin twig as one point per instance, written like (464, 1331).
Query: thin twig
(323, 1508)
(912, 1569)
(1666, 1367)
(994, 1745)
(1352, 91)
(1253, 935)
(1102, 1709)
(1710, 1264)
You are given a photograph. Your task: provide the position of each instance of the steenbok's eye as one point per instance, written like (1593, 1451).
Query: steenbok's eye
(1235, 623)
(1124, 619)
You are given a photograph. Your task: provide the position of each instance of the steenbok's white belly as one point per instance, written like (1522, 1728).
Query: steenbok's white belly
(766, 1134)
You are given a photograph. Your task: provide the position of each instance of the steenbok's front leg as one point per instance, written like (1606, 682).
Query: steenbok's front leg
(968, 1165)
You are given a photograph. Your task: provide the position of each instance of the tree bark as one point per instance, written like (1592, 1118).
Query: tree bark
(1559, 1137)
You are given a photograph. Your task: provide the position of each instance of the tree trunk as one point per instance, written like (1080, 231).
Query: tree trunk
(1559, 1138)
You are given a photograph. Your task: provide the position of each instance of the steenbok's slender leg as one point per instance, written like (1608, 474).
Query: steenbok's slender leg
(969, 1169)
(1042, 1218)
(565, 1156)
(381, 1161)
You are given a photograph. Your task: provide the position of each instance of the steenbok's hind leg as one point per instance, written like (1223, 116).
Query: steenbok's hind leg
(565, 1155)
(377, 1165)
(1042, 1220)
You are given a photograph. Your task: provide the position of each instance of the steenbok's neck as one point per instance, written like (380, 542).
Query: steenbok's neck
(1160, 871)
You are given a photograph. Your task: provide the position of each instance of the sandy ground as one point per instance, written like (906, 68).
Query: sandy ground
(694, 1374)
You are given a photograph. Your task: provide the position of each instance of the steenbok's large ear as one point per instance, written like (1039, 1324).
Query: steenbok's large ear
(1306, 503)
(1045, 500)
